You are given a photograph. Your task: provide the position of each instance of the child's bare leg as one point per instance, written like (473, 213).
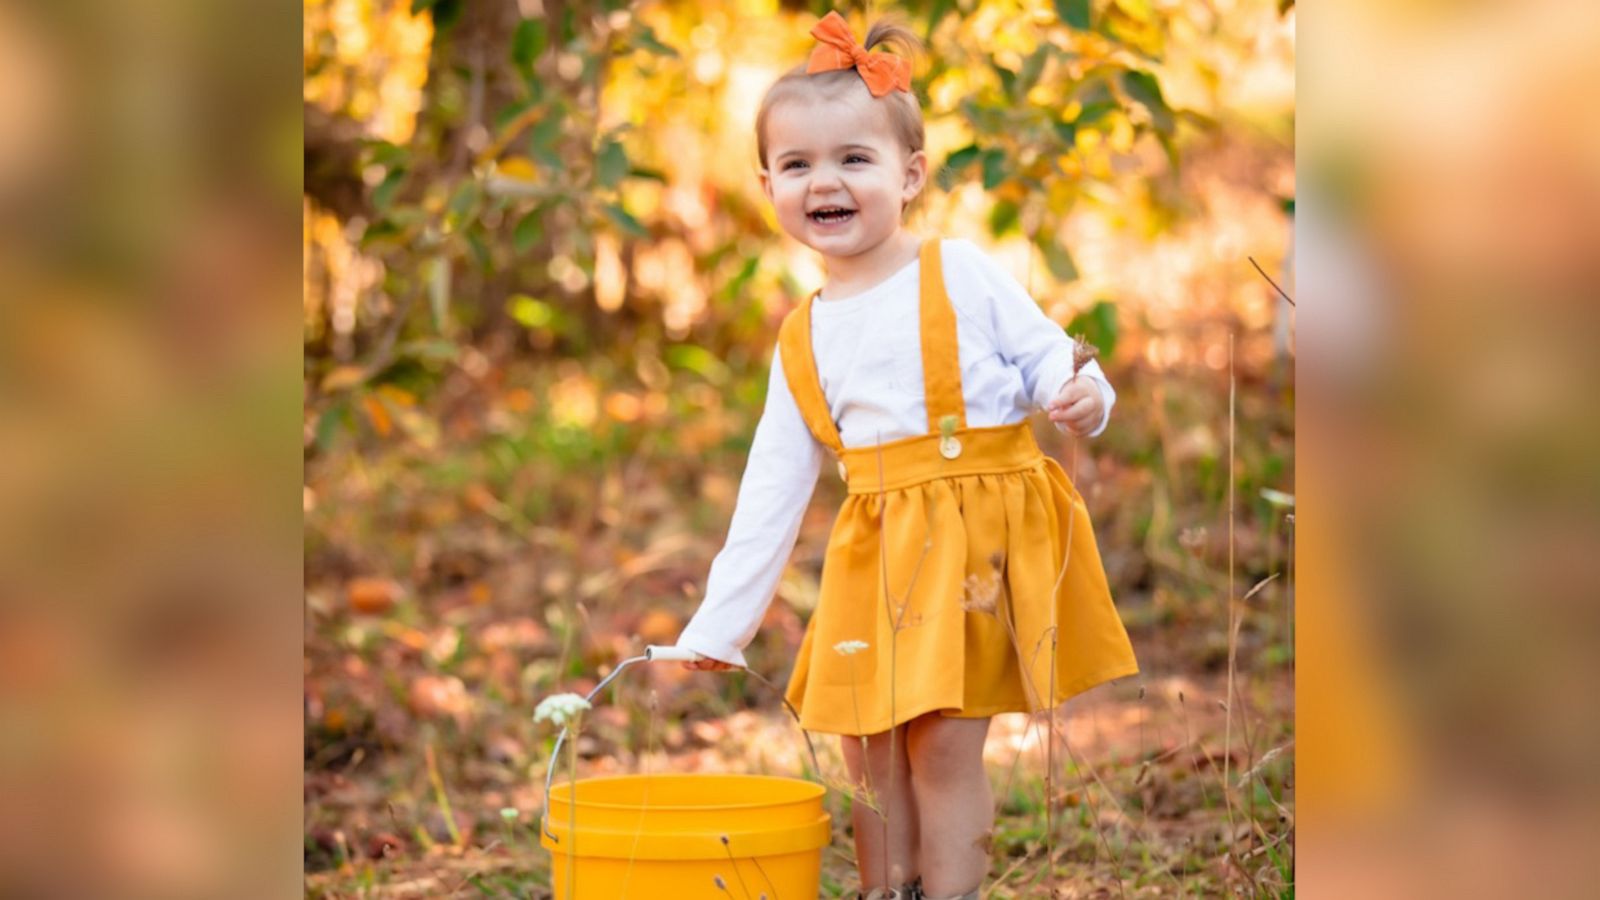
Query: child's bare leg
(955, 804)
(894, 796)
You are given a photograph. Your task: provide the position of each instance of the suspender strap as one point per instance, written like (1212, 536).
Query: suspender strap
(800, 370)
(941, 360)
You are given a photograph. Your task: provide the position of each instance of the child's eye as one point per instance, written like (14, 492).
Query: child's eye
(792, 164)
(856, 157)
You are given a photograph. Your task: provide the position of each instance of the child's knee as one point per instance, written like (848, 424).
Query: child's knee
(872, 751)
(946, 749)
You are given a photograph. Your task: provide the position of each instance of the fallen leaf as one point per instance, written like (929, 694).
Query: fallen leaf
(373, 596)
(659, 627)
(436, 696)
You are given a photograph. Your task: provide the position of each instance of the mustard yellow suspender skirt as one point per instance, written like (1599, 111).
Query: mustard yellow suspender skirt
(946, 561)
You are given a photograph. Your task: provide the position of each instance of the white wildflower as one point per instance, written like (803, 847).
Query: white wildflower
(560, 708)
(848, 648)
(1277, 498)
(509, 813)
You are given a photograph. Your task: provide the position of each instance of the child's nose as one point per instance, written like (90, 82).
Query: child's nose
(824, 178)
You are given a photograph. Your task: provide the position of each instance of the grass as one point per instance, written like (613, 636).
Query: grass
(1165, 788)
(1151, 824)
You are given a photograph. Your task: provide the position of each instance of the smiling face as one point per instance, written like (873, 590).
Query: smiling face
(837, 175)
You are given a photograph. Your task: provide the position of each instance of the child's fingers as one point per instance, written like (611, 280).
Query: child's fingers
(1078, 408)
(1071, 392)
(1080, 418)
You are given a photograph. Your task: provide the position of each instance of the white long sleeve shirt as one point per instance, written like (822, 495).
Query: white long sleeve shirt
(868, 353)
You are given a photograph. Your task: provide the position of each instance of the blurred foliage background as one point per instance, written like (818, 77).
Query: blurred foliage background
(541, 290)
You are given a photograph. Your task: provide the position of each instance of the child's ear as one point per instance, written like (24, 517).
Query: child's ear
(766, 184)
(916, 176)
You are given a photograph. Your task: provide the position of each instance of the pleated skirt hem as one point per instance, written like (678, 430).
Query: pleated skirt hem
(1064, 693)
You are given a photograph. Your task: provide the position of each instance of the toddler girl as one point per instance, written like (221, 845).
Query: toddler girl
(961, 578)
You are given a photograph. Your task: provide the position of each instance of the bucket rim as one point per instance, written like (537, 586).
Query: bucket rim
(810, 786)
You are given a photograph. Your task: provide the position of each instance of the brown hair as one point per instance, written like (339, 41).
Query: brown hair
(905, 113)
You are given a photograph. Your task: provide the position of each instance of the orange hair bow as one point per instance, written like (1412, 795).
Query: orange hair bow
(837, 49)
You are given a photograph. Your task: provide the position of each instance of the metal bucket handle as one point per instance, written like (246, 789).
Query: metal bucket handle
(653, 653)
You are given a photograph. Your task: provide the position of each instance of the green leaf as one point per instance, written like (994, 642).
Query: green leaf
(1098, 325)
(954, 164)
(569, 25)
(1003, 218)
(962, 158)
(1058, 259)
(383, 194)
(738, 282)
(479, 246)
(936, 15)
(543, 136)
(1095, 96)
(433, 349)
(531, 313)
(612, 164)
(625, 221)
(529, 42)
(646, 40)
(510, 112)
(1067, 132)
(530, 228)
(420, 5)
(994, 168)
(1032, 68)
(464, 200)
(1008, 78)
(386, 154)
(380, 231)
(1093, 112)
(697, 360)
(1143, 87)
(1171, 148)
(1074, 12)
(446, 13)
(437, 271)
(328, 423)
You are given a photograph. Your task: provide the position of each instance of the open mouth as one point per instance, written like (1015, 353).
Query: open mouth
(829, 215)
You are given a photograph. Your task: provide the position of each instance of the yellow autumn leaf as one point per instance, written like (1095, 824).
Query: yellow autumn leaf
(379, 416)
(343, 377)
(517, 167)
(1121, 137)
(398, 395)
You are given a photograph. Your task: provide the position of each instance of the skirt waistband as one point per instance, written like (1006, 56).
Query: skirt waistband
(914, 460)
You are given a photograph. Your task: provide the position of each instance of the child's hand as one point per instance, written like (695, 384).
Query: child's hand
(707, 664)
(1079, 405)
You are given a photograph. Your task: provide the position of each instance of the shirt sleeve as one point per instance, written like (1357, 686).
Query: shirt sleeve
(1025, 336)
(779, 478)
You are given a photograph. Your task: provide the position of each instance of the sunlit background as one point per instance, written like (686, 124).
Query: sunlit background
(157, 649)
(541, 292)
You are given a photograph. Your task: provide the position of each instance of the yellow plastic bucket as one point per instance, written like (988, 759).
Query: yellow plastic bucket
(670, 837)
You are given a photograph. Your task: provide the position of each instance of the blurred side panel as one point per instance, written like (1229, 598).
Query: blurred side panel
(1449, 265)
(149, 532)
